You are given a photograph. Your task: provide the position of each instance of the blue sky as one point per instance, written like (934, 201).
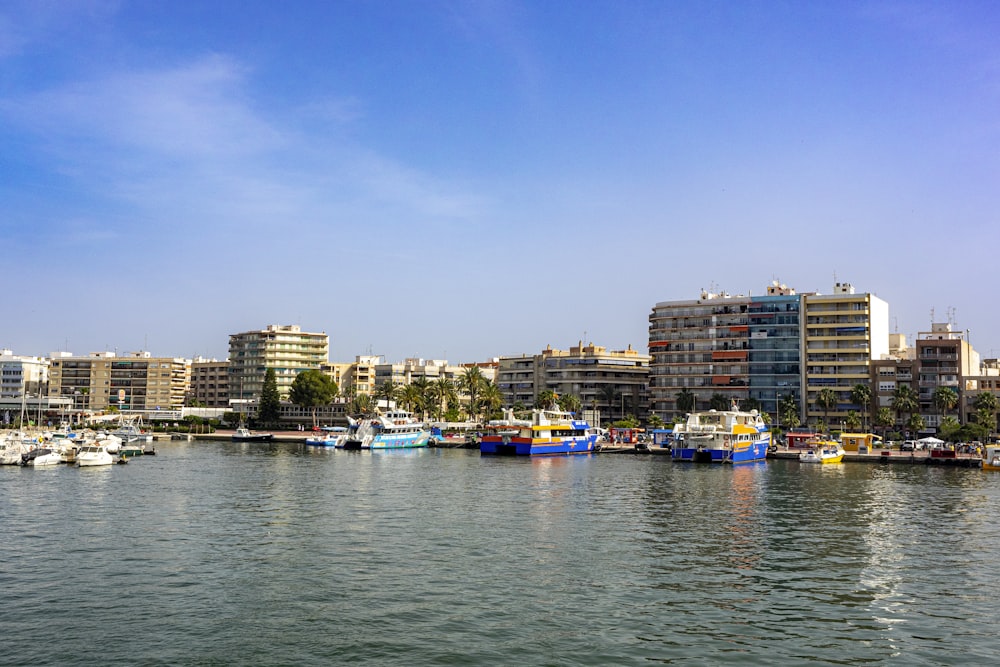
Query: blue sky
(464, 180)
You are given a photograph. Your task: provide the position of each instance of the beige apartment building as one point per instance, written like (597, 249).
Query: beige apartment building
(136, 381)
(611, 382)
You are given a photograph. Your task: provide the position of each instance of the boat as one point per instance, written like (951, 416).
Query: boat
(329, 437)
(721, 436)
(41, 456)
(823, 451)
(243, 434)
(131, 433)
(548, 431)
(396, 429)
(991, 458)
(94, 454)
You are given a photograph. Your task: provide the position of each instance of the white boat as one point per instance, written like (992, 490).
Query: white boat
(243, 434)
(94, 454)
(396, 429)
(130, 431)
(43, 456)
(826, 451)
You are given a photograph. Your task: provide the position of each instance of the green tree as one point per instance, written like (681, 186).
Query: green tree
(269, 407)
(685, 401)
(915, 424)
(949, 428)
(853, 420)
(861, 395)
(945, 399)
(610, 397)
(444, 394)
(412, 398)
(491, 401)
(655, 421)
(388, 392)
(362, 404)
(570, 403)
(904, 400)
(788, 411)
(885, 418)
(826, 400)
(312, 389)
(471, 383)
(421, 397)
(546, 399)
(718, 402)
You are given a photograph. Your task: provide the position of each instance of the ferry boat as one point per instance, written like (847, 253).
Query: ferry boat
(396, 429)
(547, 432)
(721, 436)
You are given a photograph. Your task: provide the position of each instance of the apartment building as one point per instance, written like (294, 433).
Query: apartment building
(844, 332)
(210, 383)
(135, 381)
(945, 359)
(20, 375)
(285, 348)
(702, 346)
(613, 382)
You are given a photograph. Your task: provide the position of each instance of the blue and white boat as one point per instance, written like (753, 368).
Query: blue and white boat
(396, 429)
(547, 432)
(328, 437)
(721, 436)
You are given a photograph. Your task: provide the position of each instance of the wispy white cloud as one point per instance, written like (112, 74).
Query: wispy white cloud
(190, 144)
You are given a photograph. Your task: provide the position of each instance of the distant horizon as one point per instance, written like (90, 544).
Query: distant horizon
(466, 180)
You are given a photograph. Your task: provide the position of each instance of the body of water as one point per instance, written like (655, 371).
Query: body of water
(246, 554)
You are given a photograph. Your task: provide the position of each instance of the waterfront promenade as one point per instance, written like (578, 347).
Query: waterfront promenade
(878, 456)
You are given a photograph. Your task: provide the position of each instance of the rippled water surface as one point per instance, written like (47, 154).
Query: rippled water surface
(219, 554)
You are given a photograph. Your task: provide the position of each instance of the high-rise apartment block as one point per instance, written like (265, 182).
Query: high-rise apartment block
(759, 350)
(285, 348)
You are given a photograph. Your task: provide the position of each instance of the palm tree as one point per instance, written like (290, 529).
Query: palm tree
(472, 382)
(853, 420)
(915, 424)
(609, 396)
(718, 402)
(421, 395)
(546, 399)
(945, 399)
(387, 391)
(685, 401)
(491, 400)
(827, 400)
(986, 405)
(788, 412)
(412, 397)
(444, 391)
(861, 395)
(570, 403)
(884, 418)
(904, 401)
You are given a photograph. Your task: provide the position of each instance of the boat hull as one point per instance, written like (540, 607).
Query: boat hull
(756, 451)
(536, 446)
(399, 441)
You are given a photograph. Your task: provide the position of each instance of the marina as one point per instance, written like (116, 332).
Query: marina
(248, 553)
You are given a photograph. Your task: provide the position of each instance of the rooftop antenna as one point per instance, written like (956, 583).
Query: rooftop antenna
(895, 324)
(932, 317)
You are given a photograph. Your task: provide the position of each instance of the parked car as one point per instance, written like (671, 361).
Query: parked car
(908, 446)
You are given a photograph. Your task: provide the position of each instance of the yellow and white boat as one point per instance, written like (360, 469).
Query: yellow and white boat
(991, 458)
(826, 451)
